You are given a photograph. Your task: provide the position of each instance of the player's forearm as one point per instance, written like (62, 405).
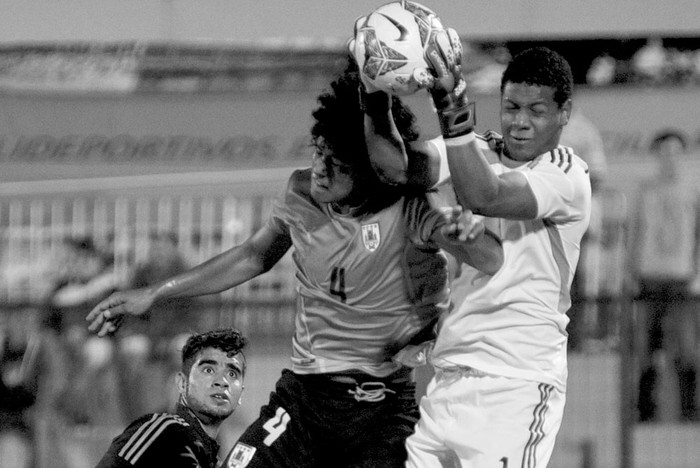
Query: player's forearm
(387, 156)
(475, 183)
(387, 151)
(218, 274)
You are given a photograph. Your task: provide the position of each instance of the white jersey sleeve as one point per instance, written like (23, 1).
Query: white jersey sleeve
(556, 180)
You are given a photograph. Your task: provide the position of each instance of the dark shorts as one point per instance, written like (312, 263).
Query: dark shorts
(316, 421)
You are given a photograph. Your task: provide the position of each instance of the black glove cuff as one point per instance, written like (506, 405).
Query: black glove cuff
(457, 121)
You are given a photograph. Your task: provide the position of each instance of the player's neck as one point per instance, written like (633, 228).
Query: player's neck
(210, 424)
(510, 160)
(211, 429)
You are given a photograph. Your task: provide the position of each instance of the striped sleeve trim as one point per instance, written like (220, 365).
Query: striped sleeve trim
(148, 433)
(563, 157)
(536, 431)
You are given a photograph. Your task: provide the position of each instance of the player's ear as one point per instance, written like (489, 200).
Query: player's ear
(181, 381)
(565, 113)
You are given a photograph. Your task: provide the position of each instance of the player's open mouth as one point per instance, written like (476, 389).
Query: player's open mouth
(220, 396)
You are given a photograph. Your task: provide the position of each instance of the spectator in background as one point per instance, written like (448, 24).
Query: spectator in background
(17, 396)
(695, 58)
(649, 63)
(143, 353)
(77, 382)
(55, 367)
(680, 65)
(85, 274)
(92, 405)
(602, 70)
(585, 138)
(168, 318)
(485, 77)
(663, 256)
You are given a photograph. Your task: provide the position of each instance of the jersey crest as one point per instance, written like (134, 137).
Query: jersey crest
(241, 455)
(370, 236)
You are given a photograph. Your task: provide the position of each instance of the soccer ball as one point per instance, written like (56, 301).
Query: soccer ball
(395, 37)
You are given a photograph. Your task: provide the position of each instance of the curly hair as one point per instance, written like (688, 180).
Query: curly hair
(540, 66)
(228, 340)
(339, 120)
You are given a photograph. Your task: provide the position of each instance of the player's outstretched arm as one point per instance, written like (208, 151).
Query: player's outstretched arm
(466, 237)
(235, 266)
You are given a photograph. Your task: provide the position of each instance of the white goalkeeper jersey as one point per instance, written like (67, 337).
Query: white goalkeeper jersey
(513, 323)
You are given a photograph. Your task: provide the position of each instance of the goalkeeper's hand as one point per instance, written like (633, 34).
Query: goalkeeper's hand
(372, 99)
(461, 225)
(358, 46)
(449, 88)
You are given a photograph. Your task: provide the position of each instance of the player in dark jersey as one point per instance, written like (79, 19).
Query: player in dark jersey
(372, 280)
(210, 385)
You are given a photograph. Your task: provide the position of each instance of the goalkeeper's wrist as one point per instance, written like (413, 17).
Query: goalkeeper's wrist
(457, 121)
(374, 103)
(460, 140)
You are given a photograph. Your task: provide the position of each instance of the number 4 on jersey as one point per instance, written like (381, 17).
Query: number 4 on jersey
(276, 426)
(338, 283)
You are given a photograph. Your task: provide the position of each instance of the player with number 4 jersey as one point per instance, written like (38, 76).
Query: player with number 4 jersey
(372, 282)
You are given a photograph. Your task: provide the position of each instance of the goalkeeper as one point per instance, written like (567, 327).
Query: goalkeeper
(498, 393)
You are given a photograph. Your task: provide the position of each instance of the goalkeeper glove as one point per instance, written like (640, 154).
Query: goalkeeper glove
(372, 99)
(357, 46)
(448, 88)
(360, 45)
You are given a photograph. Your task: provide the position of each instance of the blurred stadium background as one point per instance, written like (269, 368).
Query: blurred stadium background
(139, 138)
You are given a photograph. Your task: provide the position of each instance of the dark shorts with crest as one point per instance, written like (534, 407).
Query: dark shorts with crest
(345, 420)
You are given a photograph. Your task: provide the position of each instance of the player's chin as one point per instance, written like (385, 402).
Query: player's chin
(520, 149)
(219, 409)
(321, 194)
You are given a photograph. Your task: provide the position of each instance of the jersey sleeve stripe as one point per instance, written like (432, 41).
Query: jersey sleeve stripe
(569, 159)
(150, 441)
(562, 157)
(145, 434)
(558, 157)
(138, 434)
